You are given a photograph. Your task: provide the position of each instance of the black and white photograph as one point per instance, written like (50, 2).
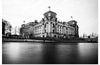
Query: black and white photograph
(49, 31)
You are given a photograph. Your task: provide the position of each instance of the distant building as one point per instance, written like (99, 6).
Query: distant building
(49, 26)
(6, 27)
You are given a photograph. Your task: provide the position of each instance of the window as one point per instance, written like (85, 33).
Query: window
(45, 30)
(53, 30)
(66, 28)
(45, 26)
(53, 25)
(49, 14)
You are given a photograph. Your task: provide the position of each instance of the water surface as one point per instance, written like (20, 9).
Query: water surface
(53, 53)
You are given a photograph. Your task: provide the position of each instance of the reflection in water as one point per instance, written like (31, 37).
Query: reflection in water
(22, 53)
(14, 52)
(50, 53)
(88, 52)
(60, 53)
(67, 53)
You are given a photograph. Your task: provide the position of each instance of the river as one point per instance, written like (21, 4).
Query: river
(49, 53)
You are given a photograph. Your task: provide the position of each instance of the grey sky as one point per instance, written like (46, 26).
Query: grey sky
(85, 12)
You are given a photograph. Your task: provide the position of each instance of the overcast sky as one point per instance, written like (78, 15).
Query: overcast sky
(85, 12)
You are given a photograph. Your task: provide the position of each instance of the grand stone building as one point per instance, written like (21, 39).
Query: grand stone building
(49, 26)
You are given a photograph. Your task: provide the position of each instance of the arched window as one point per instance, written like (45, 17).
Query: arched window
(54, 35)
(66, 28)
(53, 25)
(45, 26)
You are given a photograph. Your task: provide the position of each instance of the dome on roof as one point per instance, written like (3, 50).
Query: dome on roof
(50, 12)
(50, 15)
(72, 22)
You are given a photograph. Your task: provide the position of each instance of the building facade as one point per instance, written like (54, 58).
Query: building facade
(49, 26)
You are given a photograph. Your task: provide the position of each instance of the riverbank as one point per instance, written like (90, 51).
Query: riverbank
(51, 40)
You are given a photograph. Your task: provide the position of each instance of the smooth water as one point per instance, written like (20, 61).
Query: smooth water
(44, 53)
